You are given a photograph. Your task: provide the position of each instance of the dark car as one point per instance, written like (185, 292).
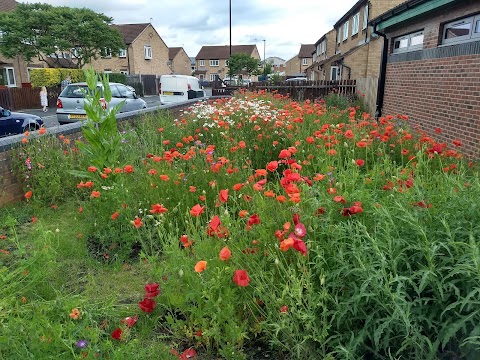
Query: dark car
(12, 123)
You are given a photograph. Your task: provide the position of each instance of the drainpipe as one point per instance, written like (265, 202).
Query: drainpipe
(349, 69)
(383, 72)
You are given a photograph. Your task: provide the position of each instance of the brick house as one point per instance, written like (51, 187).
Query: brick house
(145, 52)
(15, 71)
(352, 51)
(179, 61)
(432, 68)
(213, 60)
(297, 65)
(278, 64)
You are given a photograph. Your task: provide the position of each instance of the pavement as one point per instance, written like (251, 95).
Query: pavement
(50, 117)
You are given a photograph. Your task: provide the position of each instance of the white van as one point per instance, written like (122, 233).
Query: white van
(178, 88)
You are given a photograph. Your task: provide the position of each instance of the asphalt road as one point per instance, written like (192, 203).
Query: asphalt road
(50, 118)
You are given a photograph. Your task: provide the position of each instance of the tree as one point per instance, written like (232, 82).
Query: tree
(242, 64)
(52, 33)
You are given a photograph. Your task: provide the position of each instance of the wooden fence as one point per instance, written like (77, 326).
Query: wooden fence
(26, 98)
(296, 90)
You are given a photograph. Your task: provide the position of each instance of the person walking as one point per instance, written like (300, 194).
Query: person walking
(44, 98)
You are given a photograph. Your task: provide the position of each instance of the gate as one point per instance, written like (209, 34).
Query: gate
(149, 84)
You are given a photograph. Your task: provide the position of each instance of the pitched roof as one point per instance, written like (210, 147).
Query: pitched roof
(130, 31)
(346, 16)
(7, 5)
(173, 51)
(306, 50)
(223, 51)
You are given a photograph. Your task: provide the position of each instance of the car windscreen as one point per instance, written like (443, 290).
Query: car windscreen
(76, 91)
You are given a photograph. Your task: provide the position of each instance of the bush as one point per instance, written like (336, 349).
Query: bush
(51, 77)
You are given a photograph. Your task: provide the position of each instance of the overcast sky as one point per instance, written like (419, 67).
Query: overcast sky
(284, 24)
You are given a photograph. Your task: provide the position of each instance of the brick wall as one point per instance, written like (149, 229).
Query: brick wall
(438, 87)
(181, 64)
(438, 93)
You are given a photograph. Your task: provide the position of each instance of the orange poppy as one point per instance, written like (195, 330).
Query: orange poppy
(200, 266)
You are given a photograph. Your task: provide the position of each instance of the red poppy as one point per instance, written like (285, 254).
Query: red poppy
(284, 309)
(348, 134)
(225, 254)
(147, 305)
(457, 142)
(95, 194)
(130, 321)
(115, 215)
(253, 220)
(128, 169)
(272, 166)
(117, 334)
(158, 209)
(28, 194)
(151, 290)
(284, 154)
(137, 222)
(241, 278)
(360, 162)
(200, 266)
(197, 210)
(223, 196)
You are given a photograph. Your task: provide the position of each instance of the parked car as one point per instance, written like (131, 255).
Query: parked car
(178, 88)
(296, 79)
(71, 100)
(12, 123)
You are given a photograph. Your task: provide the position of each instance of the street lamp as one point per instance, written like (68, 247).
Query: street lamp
(264, 59)
(230, 9)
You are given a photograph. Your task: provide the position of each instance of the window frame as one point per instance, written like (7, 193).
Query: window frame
(122, 53)
(201, 63)
(304, 61)
(365, 17)
(212, 77)
(214, 63)
(7, 76)
(345, 27)
(336, 71)
(147, 52)
(355, 21)
(339, 36)
(472, 35)
(409, 47)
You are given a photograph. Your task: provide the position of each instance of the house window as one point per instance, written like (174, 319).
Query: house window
(410, 42)
(201, 77)
(305, 61)
(9, 76)
(226, 62)
(355, 23)
(202, 63)
(124, 72)
(365, 17)
(107, 52)
(334, 73)
(463, 30)
(213, 77)
(214, 62)
(122, 53)
(75, 53)
(345, 31)
(339, 35)
(147, 51)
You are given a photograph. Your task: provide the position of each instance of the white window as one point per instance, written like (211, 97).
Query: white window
(365, 17)
(355, 23)
(334, 73)
(125, 72)
(202, 63)
(463, 30)
(410, 42)
(226, 62)
(305, 61)
(74, 52)
(345, 30)
(321, 48)
(9, 75)
(339, 35)
(201, 77)
(147, 51)
(122, 53)
(213, 77)
(214, 62)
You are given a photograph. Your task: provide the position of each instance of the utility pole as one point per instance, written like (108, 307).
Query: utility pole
(230, 9)
(264, 59)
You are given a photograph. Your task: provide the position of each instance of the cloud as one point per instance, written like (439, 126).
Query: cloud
(193, 23)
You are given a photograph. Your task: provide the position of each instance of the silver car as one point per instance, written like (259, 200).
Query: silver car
(71, 99)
